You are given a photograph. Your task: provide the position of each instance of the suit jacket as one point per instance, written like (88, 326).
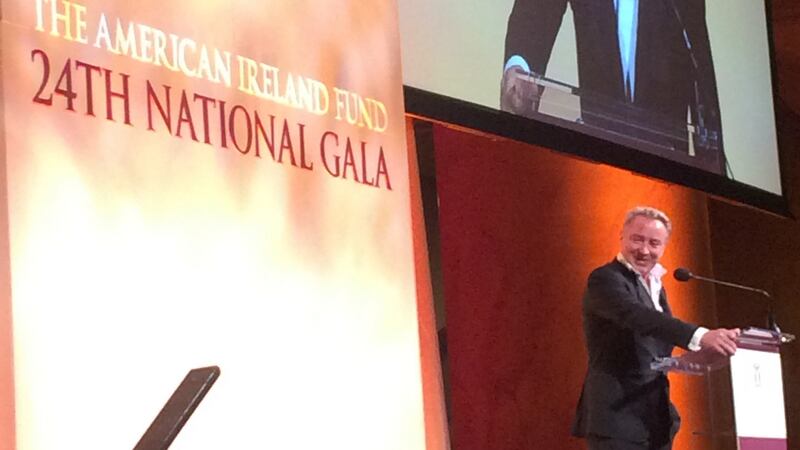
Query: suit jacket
(666, 71)
(622, 397)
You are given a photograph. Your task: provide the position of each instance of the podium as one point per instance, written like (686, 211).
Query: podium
(756, 387)
(696, 143)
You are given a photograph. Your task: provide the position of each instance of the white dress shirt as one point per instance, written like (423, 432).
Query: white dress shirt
(652, 284)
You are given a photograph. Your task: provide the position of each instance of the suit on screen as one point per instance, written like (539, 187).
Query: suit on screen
(665, 75)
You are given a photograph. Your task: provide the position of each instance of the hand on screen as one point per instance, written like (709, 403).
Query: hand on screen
(519, 92)
(721, 340)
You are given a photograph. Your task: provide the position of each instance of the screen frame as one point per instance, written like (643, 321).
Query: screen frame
(448, 110)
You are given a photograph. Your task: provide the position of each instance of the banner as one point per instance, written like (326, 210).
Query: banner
(209, 183)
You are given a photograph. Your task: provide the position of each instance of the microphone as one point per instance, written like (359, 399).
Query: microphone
(684, 274)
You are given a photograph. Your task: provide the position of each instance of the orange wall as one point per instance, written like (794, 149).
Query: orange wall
(521, 228)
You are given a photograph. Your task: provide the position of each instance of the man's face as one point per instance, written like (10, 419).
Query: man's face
(643, 242)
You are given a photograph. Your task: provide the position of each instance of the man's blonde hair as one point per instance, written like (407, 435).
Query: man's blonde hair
(651, 213)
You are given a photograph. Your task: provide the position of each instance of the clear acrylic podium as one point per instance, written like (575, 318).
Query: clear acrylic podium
(694, 143)
(753, 390)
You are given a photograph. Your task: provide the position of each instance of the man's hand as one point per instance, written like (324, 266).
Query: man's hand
(721, 341)
(519, 93)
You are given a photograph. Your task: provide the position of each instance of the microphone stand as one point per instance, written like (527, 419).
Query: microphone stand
(772, 323)
(704, 136)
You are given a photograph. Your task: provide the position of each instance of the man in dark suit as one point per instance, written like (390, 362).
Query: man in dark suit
(627, 324)
(642, 65)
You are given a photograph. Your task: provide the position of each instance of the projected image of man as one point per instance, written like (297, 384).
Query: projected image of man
(644, 69)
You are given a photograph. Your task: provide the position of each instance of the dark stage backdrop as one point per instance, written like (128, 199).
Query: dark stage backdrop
(763, 250)
(521, 228)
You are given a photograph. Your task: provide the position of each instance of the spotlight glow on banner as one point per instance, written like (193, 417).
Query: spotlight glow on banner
(209, 183)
